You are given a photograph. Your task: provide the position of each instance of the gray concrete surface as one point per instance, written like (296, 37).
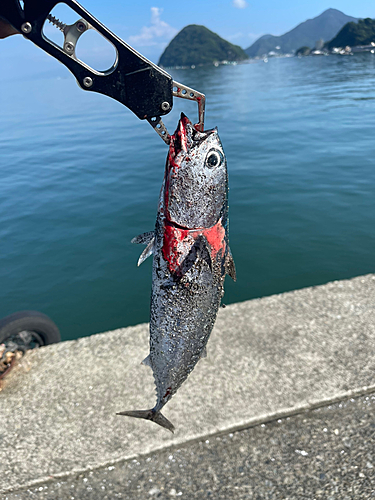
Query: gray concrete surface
(267, 358)
(325, 454)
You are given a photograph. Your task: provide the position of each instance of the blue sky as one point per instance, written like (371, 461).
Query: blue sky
(150, 25)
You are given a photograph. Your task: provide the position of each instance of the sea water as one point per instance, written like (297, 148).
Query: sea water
(81, 176)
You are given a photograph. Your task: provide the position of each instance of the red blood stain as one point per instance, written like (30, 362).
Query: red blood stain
(171, 167)
(174, 238)
(215, 236)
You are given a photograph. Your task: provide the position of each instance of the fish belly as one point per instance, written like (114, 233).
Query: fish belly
(183, 313)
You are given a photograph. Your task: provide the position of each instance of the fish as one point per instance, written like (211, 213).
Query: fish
(191, 257)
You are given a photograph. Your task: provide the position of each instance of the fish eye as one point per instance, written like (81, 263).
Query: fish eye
(214, 158)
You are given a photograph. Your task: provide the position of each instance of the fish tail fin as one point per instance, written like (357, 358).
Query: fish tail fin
(153, 415)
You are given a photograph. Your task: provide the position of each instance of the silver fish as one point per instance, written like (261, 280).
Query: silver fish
(191, 258)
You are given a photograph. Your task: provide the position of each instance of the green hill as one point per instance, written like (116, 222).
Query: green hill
(325, 27)
(352, 34)
(197, 45)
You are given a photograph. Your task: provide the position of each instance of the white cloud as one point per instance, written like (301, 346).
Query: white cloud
(240, 4)
(159, 32)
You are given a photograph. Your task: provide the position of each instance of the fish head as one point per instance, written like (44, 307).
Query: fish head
(196, 184)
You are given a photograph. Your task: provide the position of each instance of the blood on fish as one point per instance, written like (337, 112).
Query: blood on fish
(174, 236)
(216, 238)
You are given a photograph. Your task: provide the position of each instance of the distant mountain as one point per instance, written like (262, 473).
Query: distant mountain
(352, 34)
(197, 45)
(325, 26)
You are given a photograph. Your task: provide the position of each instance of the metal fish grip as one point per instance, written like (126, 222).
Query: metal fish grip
(143, 87)
(184, 92)
(132, 80)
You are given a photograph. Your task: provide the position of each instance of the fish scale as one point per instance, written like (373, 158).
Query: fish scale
(191, 257)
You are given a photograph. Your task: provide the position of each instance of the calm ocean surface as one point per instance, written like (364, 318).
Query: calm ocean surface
(80, 176)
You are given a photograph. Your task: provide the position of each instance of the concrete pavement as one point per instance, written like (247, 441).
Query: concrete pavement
(322, 454)
(267, 359)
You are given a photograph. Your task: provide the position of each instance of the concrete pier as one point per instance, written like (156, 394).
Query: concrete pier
(268, 359)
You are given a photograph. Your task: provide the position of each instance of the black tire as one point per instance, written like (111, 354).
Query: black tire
(32, 321)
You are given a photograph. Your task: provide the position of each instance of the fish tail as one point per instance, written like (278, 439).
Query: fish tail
(153, 415)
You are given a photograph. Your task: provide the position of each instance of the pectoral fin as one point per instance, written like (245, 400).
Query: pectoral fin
(146, 252)
(145, 239)
(230, 268)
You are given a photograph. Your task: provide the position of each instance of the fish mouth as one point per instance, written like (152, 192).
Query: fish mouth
(186, 136)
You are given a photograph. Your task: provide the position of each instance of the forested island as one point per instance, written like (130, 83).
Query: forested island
(196, 45)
